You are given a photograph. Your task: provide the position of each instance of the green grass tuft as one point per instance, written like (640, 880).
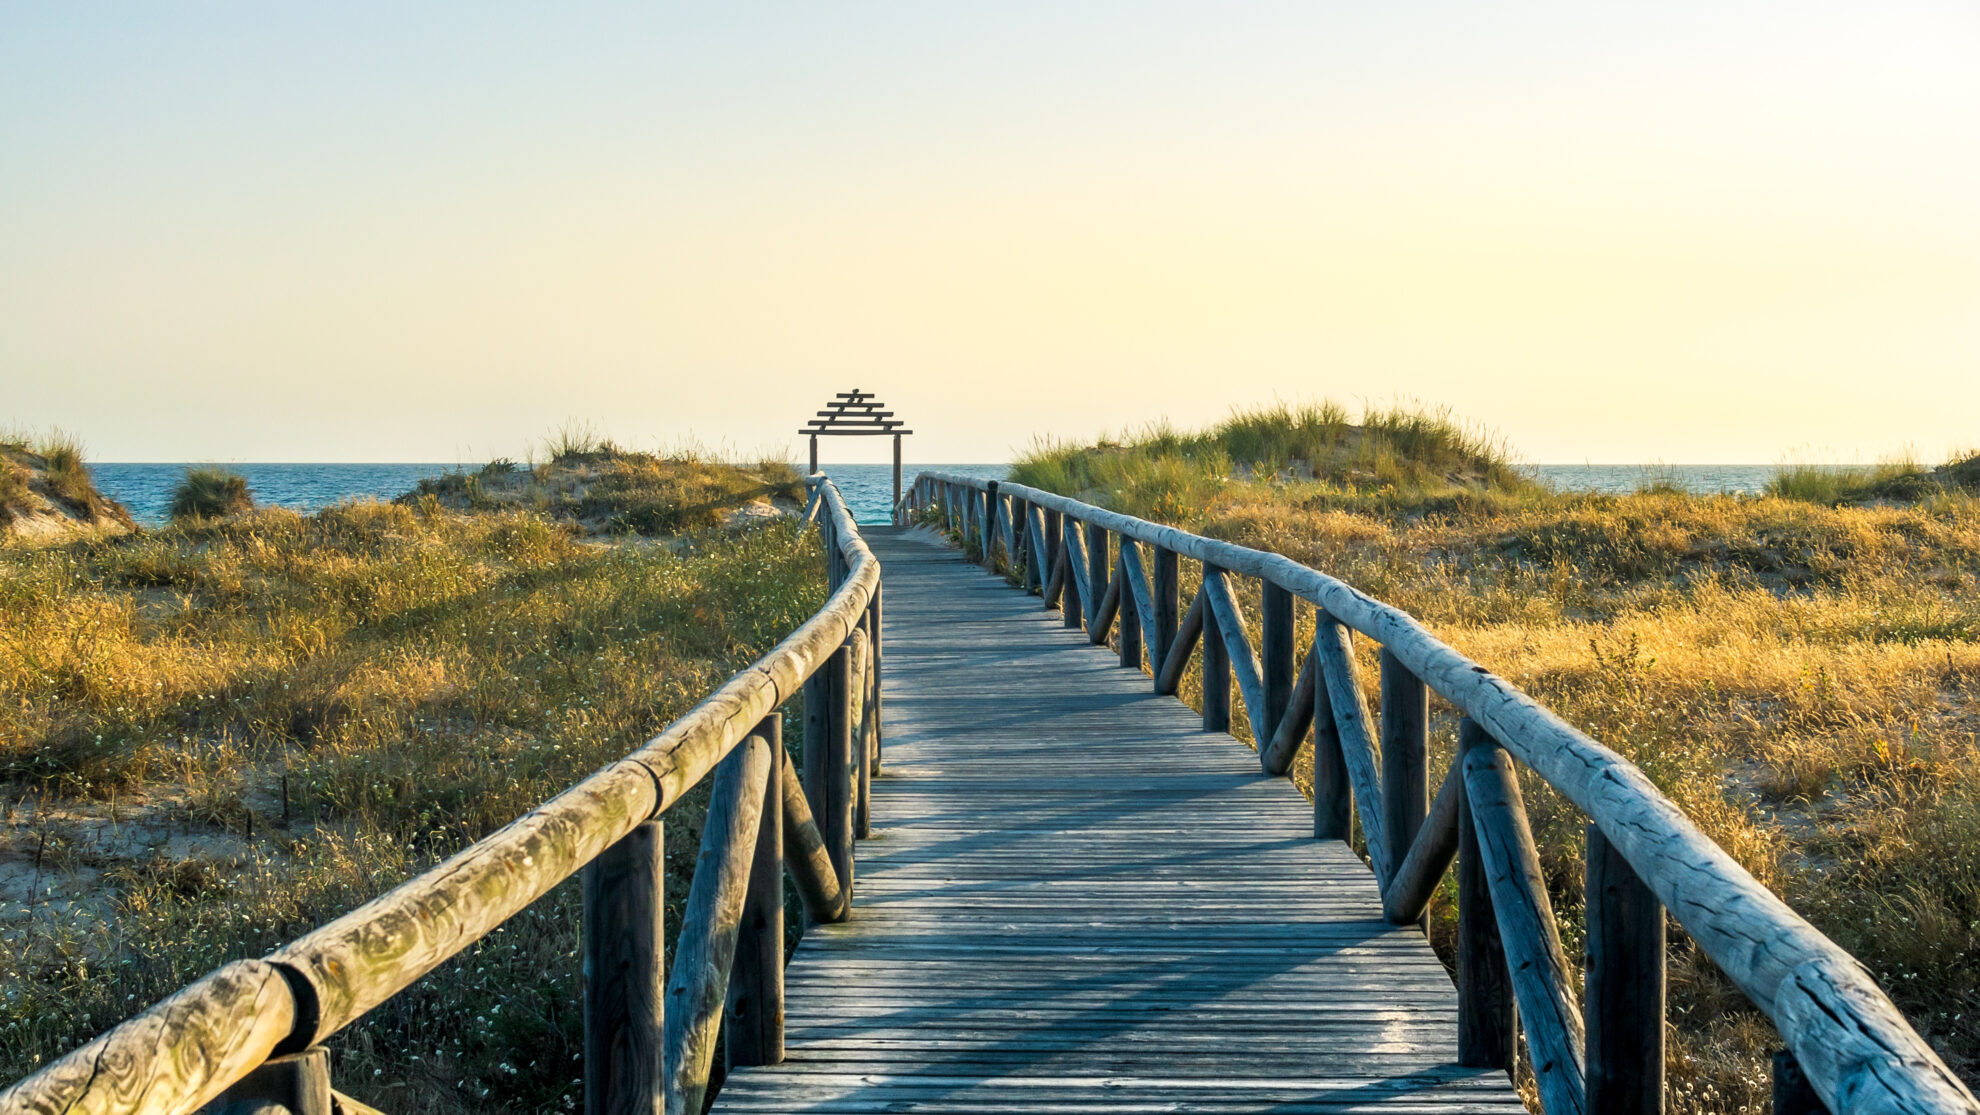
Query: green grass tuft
(210, 493)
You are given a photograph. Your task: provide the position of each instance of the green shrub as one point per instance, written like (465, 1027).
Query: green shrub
(210, 493)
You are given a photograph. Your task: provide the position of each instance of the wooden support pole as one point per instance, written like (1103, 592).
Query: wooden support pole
(698, 987)
(1098, 565)
(1053, 554)
(1226, 620)
(1407, 897)
(1134, 601)
(1216, 664)
(753, 1023)
(1104, 610)
(897, 470)
(1333, 795)
(296, 1084)
(805, 856)
(1550, 1016)
(1129, 607)
(813, 470)
(1176, 659)
(625, 974)
(1167, 592)
(1277, 756)
(862, 717)
(1072, 556)
(1357, 739)
(1276, 663)
(1405, 756)
(1487, 1017)
(1623, 992)
(991, 506)
(828, 773)
(874, 629)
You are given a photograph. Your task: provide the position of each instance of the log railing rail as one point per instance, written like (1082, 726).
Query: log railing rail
(1603, 1054)
(248, 1037)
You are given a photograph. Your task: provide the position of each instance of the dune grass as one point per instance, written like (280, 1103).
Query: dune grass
(1802, 678)
(210, 493)
(591, 483)
(217, 735)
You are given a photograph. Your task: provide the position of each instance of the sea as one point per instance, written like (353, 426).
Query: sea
(146, 488)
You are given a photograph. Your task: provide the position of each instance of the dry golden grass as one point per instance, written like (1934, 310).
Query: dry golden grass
(1803, 680)
(220, 734)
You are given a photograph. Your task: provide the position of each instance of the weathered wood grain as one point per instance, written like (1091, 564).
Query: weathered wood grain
(1488, 1015)
(174, 1057)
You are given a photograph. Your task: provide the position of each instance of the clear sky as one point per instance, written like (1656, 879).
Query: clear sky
(1718, 231)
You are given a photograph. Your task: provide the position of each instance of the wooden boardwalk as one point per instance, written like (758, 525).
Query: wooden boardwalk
(1075, 899)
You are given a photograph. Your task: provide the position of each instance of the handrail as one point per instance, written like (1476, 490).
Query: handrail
(1851, 1041)
(192, 1046)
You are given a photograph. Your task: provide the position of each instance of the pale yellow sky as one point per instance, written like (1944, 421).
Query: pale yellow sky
(1708, 232)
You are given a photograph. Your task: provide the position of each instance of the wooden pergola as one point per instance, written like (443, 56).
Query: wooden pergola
(857, 413)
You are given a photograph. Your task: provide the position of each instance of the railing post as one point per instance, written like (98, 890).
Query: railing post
(1055, 550)
(753, 1020)
(1405, 756)
(1216, 673)
(1167, 592)
(828, 771)
(990, 509)
(873, 630)
(1097, 568)
(1333, 794)
(1276, 661)
(298, 1084)
(1130, 611)
(1070, 604)
(1623, 997)
(1487, 1017)
(625, 975)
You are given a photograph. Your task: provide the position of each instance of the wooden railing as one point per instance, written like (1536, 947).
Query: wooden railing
(249, 1037)
(1605, 1054)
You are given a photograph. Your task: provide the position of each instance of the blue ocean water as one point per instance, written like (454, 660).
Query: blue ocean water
(147, 488)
